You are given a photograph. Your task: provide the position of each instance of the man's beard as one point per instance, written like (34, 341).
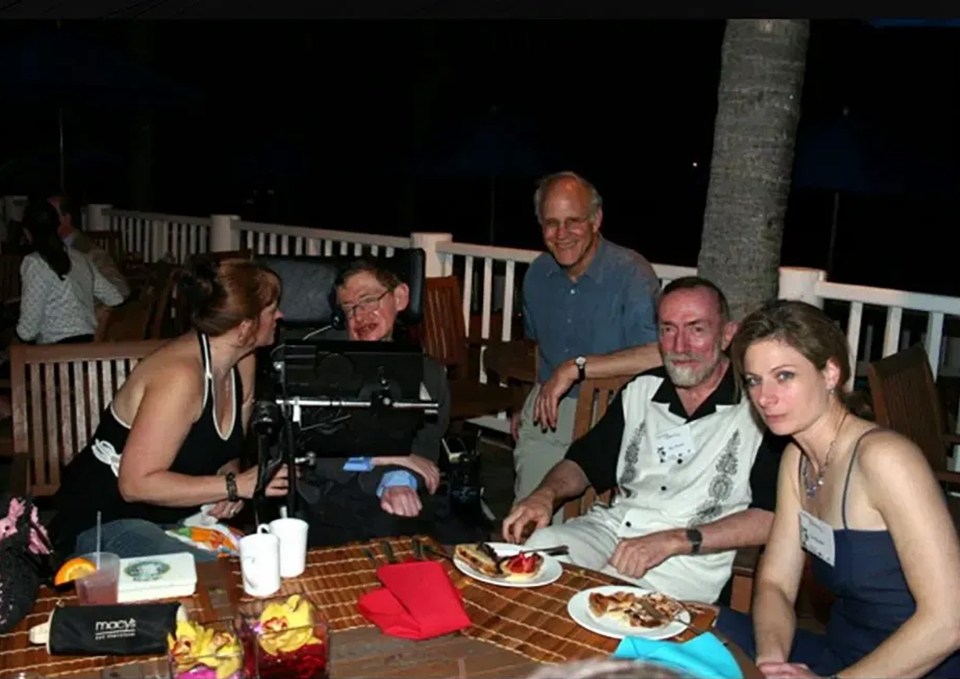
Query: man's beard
(689, 376)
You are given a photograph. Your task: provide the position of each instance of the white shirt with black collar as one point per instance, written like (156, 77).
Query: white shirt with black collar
(674, 470)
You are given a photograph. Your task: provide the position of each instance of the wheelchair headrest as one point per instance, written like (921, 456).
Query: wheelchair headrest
(309, 298)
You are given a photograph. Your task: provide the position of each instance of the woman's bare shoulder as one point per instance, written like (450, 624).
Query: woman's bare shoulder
(886, 454)
(172, 369)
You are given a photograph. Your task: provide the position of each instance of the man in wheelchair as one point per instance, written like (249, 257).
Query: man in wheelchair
(359, 498)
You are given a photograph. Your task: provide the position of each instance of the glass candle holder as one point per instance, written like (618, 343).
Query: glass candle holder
(210, 650)
(284, 638)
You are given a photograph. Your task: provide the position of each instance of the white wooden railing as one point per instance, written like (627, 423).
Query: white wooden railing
(492, 275)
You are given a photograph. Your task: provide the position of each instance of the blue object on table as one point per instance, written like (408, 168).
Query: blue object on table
(358, 464)
(703, 657)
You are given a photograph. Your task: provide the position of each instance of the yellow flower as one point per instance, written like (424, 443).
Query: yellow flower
(195, 645)
(294, 615)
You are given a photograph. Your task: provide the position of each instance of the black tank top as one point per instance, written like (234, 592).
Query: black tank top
(89, 482)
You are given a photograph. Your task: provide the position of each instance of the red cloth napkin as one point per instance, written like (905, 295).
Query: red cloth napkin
(418, 601)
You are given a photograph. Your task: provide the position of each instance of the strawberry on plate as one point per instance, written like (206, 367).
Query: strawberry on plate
(522, 564)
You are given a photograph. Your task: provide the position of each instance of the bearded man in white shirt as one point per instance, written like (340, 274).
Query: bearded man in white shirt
(695, 474)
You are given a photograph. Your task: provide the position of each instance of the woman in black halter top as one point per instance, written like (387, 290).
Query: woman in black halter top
(171, 439)
(861, 501)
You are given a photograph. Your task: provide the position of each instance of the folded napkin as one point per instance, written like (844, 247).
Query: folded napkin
(704, 656)
(418, 601)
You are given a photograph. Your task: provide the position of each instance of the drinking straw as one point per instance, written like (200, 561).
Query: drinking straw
(98, 539)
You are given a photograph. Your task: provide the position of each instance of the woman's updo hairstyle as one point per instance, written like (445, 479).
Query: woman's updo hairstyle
(223, 294)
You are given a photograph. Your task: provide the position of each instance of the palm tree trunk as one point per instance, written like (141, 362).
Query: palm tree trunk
(758, 108)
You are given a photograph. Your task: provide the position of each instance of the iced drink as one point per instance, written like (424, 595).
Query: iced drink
(100, 587)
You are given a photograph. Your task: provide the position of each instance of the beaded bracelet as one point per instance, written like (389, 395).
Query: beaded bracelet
(232, 487)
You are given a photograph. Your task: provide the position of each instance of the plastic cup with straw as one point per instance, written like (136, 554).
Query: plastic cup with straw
(98, 539)
(100, 587)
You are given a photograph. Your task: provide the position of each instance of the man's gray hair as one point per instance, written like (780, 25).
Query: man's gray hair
(545, 183)
(606, 668)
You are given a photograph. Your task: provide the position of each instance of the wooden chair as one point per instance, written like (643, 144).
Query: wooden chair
(163, 323)
(111, 242)
(444, 338)
(59, 392)
(146, 317)
(126, 322)
(595, 396)
(905, 399)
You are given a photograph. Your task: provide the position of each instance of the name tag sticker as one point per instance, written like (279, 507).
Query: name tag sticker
(816, 536)
(675, 445)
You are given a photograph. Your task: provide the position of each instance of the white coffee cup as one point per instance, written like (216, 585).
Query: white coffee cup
(292, 534)
(260, 562)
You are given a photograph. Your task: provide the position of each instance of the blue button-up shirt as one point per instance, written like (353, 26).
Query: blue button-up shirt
(611, 306)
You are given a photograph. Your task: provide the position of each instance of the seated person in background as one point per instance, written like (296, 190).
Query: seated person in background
(58, 284)
(73, 237)
(862, 500)
(172, 438)
(363, 498)
(695, 474)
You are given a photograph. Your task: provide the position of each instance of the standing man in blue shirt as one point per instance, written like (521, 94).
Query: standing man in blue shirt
(584, 296)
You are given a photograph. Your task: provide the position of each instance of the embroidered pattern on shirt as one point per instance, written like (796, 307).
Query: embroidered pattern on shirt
(631, 458)
(721, 485)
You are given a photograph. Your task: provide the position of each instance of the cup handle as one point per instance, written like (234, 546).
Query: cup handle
(264, 528)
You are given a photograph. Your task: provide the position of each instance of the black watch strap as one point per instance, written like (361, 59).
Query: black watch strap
(581, 363)
(232, 487)
(696, 540)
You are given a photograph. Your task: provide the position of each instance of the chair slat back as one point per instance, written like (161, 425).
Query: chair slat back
(163, 322)
(444, 336)
(905, 399)
(592, 403)
(59, 392)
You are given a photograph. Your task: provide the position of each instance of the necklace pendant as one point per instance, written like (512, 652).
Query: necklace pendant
(810, 485)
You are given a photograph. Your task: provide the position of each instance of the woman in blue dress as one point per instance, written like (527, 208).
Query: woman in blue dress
(862, 501)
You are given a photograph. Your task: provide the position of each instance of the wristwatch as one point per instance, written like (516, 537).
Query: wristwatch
(696, 539)
(581, 363)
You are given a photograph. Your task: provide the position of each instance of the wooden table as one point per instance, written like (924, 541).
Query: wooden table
(513, 630)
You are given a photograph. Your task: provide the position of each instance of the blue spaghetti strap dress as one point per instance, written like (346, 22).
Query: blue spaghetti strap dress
(872, 601)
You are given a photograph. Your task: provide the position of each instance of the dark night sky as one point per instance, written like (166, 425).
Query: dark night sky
(356, 124)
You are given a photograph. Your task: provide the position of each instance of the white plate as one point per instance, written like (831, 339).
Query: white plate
(579, 609)
(549, 572)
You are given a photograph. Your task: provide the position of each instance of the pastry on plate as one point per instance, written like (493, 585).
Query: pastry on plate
(635, 610)
(482, 558)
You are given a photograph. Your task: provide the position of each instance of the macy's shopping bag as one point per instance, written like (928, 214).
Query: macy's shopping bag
(113, 629)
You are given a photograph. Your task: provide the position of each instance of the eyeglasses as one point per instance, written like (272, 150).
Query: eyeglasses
(570, 223)
(369, 303)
